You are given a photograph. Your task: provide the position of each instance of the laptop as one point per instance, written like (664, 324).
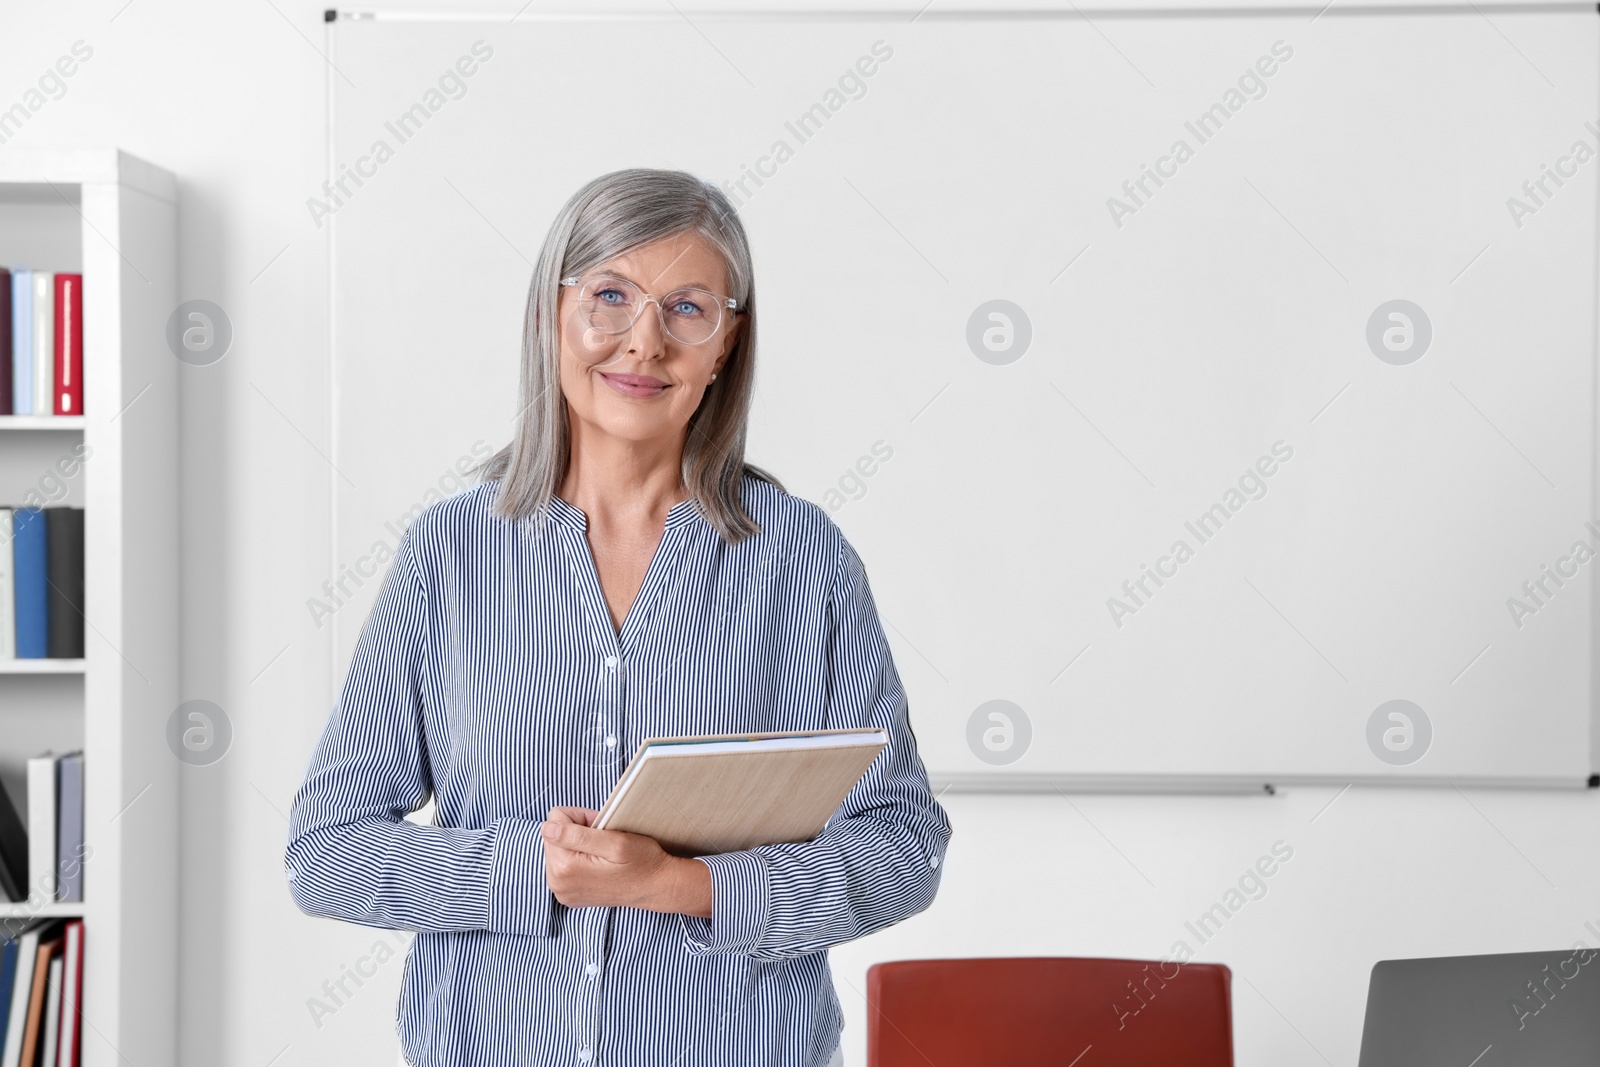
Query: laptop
(1520, 1009)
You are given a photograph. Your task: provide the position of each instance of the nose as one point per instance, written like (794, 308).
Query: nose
(648, 335)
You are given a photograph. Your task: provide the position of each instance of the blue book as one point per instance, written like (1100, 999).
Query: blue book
(22, 341)
(8, 976)
(30, 567)
(69, 827)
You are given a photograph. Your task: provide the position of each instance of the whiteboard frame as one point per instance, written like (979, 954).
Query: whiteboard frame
(1130, 9)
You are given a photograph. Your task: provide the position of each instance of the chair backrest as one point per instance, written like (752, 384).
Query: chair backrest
(1048, 1010)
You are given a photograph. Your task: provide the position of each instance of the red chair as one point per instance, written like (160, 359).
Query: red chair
(1055, 1011)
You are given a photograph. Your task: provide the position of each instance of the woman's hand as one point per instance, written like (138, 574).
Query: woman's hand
(589, 868)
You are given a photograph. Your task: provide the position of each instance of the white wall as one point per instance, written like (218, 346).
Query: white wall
(230, 98)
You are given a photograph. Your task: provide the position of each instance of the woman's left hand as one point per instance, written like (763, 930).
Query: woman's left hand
(589, 868)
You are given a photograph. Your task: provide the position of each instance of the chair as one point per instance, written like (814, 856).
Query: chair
(1048, 1010)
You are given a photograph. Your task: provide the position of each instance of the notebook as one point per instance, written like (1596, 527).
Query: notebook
(700, 796)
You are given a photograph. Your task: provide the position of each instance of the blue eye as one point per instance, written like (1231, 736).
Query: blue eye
(607, 294)
(690, 305)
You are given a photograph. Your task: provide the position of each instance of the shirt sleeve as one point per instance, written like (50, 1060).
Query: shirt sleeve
(351, 854)
(878, 860)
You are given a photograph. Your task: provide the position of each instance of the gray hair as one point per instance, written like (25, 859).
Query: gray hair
(609, 217)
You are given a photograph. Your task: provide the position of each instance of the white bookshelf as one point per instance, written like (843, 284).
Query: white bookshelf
(41, 666)
(41, 911)
(113, 217)
(41, 422)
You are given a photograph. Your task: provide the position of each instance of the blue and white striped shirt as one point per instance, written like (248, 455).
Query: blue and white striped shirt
(490, 676)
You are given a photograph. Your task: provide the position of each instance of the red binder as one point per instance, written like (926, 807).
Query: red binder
(69, 344)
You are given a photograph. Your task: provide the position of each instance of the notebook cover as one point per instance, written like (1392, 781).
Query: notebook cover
(705, 804)
(22, 341)
(69, 828)
(64, 526)
(5, 341)
(68, 348)
(29, 559)
(44, 346)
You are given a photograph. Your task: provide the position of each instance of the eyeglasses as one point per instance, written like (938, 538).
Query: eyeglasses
(611, 305)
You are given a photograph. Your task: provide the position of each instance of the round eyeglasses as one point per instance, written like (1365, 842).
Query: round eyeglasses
(611, 305)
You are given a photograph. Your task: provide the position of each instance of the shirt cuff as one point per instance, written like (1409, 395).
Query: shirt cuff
(741, 902)
(519, 900)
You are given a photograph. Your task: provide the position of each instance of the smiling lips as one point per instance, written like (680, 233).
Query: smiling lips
(635, 384)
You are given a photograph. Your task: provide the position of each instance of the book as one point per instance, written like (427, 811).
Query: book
(42, 828)
(64, 569)
(69, 827)
(67, 352)
(71, 995)
(21, 341)
(8, 977)
(700, 796)
(52, 1015)
(30, 589)
(33, 1027)
(22, 991)
(5, 341)
(13, 851)
(44, 345)
(8, 602)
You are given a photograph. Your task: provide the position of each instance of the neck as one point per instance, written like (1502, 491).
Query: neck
(616, 481)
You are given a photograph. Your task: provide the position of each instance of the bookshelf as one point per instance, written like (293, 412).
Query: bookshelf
(46, 911)
(39, 422)
(41, 666)
(112, 217)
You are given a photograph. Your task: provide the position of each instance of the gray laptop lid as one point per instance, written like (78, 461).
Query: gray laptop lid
(1521, 1009)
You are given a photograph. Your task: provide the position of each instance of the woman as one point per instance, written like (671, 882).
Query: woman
(621, 573)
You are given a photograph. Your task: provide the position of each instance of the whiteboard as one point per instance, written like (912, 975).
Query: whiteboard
(1019, 371)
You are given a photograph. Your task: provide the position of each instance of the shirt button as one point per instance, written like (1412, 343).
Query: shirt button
(584, 1054)
(611, 740)
(592, 970)
(934, 862)
(611, 663)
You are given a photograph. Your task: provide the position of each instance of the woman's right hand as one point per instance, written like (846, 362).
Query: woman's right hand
(589, 868)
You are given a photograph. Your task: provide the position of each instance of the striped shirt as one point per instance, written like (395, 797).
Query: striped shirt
(489, 676)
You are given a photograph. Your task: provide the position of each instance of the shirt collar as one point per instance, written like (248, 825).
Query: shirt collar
(567, 514)
(680, 514)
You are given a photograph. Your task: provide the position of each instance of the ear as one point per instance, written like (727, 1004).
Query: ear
(729, 342)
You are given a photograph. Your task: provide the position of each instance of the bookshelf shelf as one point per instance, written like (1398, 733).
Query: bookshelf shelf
(41, 422)
(113, 218)
(41, 911)
(41, 666)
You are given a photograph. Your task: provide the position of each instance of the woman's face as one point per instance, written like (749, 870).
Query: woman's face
(643, 384)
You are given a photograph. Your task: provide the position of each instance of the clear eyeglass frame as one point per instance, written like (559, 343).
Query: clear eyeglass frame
(722, 302)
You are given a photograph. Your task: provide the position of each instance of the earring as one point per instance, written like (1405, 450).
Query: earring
(713, 377)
